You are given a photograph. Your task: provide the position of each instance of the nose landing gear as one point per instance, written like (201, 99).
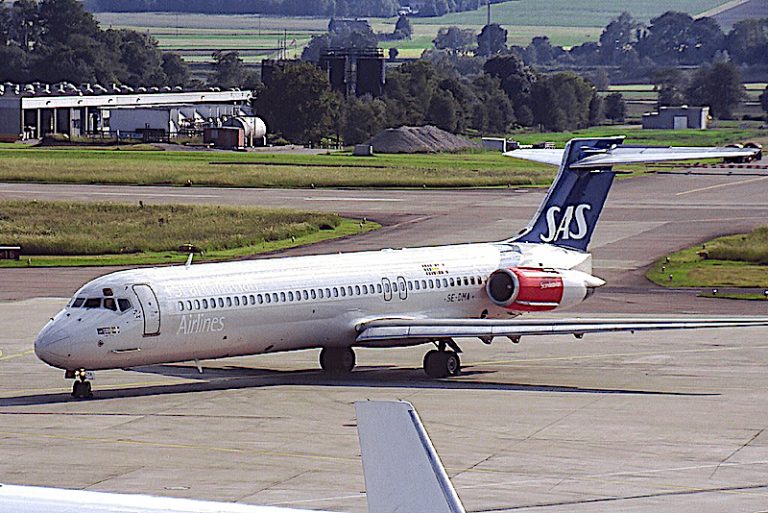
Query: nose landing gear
(81, 388)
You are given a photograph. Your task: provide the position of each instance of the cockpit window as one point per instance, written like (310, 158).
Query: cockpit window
(92, 302)
(110, 304)
(78, 302)
(124, 304)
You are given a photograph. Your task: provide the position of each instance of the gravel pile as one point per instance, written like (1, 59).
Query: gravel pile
(419, 139)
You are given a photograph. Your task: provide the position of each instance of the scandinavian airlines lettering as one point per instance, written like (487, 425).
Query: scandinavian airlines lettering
(559, 225)
(191, 324)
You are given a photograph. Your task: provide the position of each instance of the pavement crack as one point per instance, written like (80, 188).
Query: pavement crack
(734, 453)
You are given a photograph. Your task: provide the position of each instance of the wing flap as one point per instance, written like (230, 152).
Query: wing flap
(434, 329)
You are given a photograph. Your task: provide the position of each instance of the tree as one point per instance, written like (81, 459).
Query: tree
(618, 37)
(442, 111)
(229, 71)
(492, 40)
(175, 69)
(61, 18)
(403, 29)
(408, 91)
(670, 84)
(298, 103)
(561, 102)
(454, 39)
(492, 111)
(747, 42)
(517, 80)
(719, 87)
(615, 107)
(363, 118)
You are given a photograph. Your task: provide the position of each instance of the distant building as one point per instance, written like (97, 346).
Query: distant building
(677, 118)
(34, 110)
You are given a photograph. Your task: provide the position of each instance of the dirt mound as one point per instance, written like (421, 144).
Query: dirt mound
(419, 139)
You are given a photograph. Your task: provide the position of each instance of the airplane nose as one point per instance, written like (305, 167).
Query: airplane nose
(52, 345)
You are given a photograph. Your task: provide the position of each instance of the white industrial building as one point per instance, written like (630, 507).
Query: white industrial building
(35, 110)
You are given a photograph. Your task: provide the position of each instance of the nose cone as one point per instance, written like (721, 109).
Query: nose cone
(53, 345)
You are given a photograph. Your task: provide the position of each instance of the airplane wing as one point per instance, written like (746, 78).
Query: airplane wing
(402, 470)
(630, 155)
(414, 330)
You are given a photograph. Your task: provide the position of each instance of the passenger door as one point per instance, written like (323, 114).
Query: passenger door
(150, 308)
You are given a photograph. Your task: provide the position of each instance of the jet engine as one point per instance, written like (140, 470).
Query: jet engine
(524, 289)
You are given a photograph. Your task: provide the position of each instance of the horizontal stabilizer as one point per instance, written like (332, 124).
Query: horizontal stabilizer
(402, 470)
(601, 158)
(434, 329)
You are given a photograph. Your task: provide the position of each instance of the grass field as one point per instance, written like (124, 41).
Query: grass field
(69, 233)
(731, 261)
(473, 169)
(76, 165)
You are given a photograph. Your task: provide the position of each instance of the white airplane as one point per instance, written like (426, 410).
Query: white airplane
(401, 468)
(388, 298)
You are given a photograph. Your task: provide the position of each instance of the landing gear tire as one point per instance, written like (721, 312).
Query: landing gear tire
(82, 390)
(337, 360)
(441, 364)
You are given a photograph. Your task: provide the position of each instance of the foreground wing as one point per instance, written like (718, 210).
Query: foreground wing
(434, 329)
(554, 157)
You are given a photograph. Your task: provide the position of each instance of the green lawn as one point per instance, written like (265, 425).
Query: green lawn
(731, 261)
(113, 166)
(71, 233)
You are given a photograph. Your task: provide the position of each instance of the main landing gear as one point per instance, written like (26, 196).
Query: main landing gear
(81, 388)
(441, 362)
(337, 360)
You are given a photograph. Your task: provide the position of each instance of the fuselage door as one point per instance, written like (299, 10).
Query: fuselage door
(401, 288)
(386, 285)
(150, 308)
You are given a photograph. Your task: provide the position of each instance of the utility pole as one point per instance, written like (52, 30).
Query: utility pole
(489, 13)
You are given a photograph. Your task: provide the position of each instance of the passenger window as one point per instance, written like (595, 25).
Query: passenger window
(221, 303)
(424, 284)
(78, 302)
(437, 283)
(365, 289)
(197, 304)
(357, 290)
(466, 281)
(378, 288)
(394, 287)
(445, 283)
(451, 282)
(181, 305)
(410, 285)
(274, 297)
(343, 291)
(213, 302)
(282, 297)
(431, 284)
(229, 301)
(313, 293)
(268, 298)
(260, 299)
(417, 285)
(290, 295)
(335, 292)
(205, 303)
(237, 301)
(253, 299)
(245, 300)
(327, 292)
(93, 302)
(189, 305)
(305, 294)
(349, 289)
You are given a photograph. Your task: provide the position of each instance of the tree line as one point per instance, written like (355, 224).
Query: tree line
(340, 8)
(57, 40)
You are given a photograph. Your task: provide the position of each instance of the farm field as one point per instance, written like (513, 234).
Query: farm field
(71, 233)
(566, 22)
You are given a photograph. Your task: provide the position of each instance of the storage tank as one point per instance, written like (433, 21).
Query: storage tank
(254, 128)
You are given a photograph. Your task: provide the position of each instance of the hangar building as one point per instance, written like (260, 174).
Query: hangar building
(35, 110)
(677, 118)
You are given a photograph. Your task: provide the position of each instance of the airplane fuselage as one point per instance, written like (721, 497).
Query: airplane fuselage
(207, 311)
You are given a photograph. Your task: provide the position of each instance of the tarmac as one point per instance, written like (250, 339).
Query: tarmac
(650, 422)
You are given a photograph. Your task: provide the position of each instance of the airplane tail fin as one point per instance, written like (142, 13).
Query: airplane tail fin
(401, 468)
(569, 213)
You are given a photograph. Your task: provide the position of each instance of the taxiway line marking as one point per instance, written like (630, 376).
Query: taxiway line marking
(390, 200)
(96, 193)
(718, 186)
(4, 357)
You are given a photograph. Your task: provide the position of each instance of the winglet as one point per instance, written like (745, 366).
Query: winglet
(403, 473)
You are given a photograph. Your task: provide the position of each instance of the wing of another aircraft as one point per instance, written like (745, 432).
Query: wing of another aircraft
(402, 470)
(599, 158)
(369, 333)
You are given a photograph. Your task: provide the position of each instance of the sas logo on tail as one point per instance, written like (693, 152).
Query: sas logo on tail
(560, 223)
